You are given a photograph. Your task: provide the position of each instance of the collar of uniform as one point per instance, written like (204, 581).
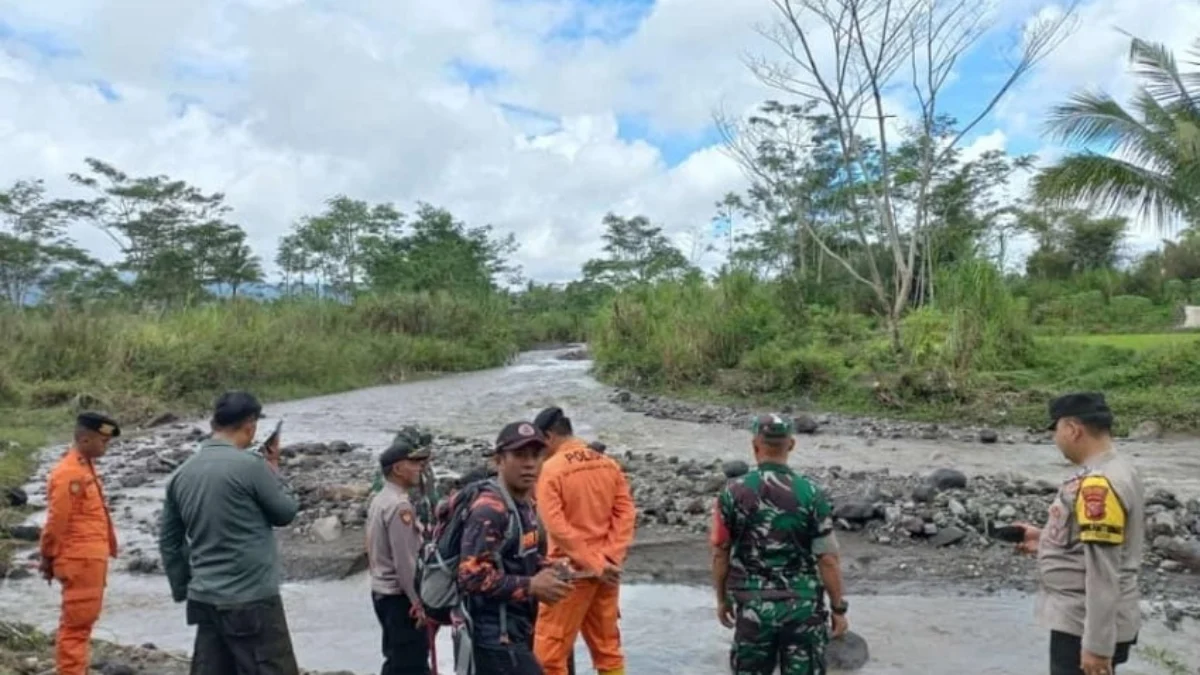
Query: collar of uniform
(214, 442)
(72, 450)
(1100, 459)
(774, 466)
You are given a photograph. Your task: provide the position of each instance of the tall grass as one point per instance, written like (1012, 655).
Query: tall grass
(971, 356)
(135, 363)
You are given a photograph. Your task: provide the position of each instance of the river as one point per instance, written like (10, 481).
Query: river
(668, 630)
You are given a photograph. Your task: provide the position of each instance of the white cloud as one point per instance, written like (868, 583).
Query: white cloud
(302, 100)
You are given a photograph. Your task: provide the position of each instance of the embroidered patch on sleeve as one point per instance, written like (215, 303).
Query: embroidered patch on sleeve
(1100, 515)
(406, 517)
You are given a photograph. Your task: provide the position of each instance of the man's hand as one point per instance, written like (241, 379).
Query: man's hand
(611, 574)
(1032, 536)
(725, 614)
(548, 587)
(839, 624)
(46, 568)
(1095, 665)
(417, 612)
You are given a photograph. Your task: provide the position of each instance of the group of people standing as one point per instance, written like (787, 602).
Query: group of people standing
(545, 533)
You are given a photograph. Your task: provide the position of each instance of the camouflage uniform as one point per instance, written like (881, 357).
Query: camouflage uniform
(776, 522)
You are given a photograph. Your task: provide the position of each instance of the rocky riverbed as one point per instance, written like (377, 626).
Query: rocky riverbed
(929, 527)
(871, 429)
(24, 650)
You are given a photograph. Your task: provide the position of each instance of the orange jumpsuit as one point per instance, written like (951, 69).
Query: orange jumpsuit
(79, 539)
(584, 503)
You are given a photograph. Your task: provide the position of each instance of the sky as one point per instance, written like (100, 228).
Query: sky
(534, 116)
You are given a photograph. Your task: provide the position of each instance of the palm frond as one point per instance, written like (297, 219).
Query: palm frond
(1114, 185)
(1155, 65)
(1091, 118)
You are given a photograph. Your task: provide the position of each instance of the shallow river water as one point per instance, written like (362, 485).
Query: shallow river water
(668, 630)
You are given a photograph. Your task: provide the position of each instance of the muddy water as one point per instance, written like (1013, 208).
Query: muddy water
(668, 629)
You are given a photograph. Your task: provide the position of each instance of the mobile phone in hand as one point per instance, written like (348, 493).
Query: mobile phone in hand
(1012, 534)
(272, 439)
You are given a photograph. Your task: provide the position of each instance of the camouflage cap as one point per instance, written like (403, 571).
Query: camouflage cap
(771, 426)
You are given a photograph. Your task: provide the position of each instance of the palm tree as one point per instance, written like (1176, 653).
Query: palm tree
(1151, 158)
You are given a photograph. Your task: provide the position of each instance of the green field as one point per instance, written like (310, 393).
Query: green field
(1134, 341)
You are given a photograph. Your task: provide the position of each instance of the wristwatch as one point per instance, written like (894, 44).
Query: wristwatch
(840, 608)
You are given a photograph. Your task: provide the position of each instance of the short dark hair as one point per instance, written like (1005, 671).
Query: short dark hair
(234, 408)
(553, 421)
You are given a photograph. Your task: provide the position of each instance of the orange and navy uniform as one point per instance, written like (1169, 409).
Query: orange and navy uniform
(585, 504)
(78, 538)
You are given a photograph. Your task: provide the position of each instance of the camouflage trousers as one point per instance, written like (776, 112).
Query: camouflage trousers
(787, 634)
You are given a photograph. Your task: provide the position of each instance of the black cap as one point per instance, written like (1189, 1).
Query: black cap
(1087, 406)
(401, 448)
(235, 407)
(519, 435)
(100, 423)
(547, 418)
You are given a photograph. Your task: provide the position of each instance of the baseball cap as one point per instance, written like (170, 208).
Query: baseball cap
(517, 435)
(771, 426)
(1087, 406)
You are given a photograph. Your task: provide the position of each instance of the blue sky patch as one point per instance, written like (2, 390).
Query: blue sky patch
(674, 146)
(608, 21)
(474, 75)
(45, 43)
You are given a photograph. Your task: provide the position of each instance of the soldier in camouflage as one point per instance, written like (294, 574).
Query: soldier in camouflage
(775, 558)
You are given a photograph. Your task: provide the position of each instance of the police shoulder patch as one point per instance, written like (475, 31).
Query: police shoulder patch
(1099, 512)
(406, 516)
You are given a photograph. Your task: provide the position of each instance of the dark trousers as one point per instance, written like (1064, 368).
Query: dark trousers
(517, 659)
(1065, 652)
(405, 647)
(246, 639)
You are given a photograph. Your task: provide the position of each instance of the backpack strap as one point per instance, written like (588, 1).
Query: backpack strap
(514, 524)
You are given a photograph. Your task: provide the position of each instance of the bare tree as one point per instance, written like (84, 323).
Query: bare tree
(843, 55)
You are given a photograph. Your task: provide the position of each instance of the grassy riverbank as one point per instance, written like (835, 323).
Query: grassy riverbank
(975, 358)
(139, 365)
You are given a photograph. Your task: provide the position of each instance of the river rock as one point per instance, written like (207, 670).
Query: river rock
(1007, 512)
(948, 536)
(924, 494)
(988, 436)
(735, 468)
(848, 652)
(30, 533)
(948, 479)
(1146, 431)
(956, 507)
(163, 420)
(16, 497)
(1162, 523)
(856, 510)
(805, 424)
(340, 447)
(575, 355)
(327, 529)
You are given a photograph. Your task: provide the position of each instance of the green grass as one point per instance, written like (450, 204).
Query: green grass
(1135, 342)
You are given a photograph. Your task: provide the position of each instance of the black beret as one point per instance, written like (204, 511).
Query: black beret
(1087, 406)
(235, 407)
(100, 423)
(401, 448)
(518, 435)
(547, 418)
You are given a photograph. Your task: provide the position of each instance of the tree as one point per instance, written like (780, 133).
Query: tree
(171, 234)
(435, 251)
(872, 40)
(1152, 150)
(1071, 242)
(33, 246)
(637, 253)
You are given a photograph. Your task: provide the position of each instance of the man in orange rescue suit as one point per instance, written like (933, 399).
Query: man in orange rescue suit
(78, 540)
(1090, 551)
(584, 503)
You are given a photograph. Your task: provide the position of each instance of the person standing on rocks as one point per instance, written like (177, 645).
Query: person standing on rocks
(501, 574)
(775, 557)
(1090, 551)
(78, 539)
(584, 502)
(394, 538)
(218, 545)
